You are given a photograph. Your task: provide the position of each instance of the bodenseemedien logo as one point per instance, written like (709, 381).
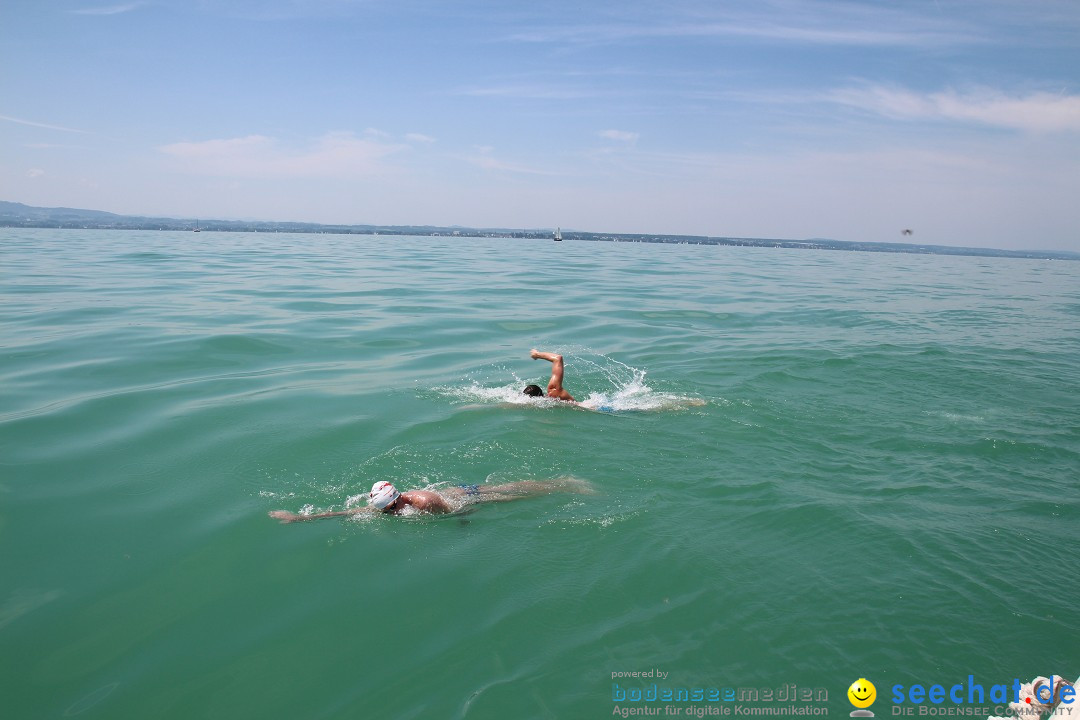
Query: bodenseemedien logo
(862, 694)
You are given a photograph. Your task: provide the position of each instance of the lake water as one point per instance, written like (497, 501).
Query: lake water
(821, 466)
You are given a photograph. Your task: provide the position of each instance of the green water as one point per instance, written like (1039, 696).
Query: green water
(823, 466)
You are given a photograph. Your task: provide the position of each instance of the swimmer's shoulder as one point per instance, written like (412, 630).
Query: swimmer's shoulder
(428, 501)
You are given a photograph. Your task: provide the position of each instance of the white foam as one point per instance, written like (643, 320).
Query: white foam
(636, 395)
(478, 394)
(276, 495)
(626, 391)
(956, 417)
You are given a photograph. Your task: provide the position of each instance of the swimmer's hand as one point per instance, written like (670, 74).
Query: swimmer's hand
(285, 516)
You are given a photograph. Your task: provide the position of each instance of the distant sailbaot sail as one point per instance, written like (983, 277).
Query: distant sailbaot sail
(558, 234)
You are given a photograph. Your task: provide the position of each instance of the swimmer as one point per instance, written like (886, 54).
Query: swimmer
(554, 388)
(385, 498)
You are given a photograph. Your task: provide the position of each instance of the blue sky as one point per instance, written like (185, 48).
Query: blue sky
(764, 118)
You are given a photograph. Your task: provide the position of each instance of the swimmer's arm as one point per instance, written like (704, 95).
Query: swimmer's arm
(550, 357)
(555, 387)
(287, 517)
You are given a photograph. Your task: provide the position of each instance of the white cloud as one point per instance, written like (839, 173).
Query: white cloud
(485, 159)
(31, 123)
(761, 31)
(35, 173)
(333, 155)
(776, 21)
(619, 135)
(109, 10)
(419, 138)
(1034, 112)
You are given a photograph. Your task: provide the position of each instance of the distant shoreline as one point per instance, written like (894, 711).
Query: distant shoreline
(17, 215)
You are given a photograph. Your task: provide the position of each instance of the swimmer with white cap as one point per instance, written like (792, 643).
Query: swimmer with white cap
(385, 498)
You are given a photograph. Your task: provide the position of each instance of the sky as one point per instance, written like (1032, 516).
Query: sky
(842, 119)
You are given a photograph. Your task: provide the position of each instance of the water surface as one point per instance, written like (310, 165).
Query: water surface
(822, 466)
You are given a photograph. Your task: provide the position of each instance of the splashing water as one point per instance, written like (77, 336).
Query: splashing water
(635, 395)
(625, 391)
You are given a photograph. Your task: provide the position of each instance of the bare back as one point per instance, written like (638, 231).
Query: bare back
(426, 501)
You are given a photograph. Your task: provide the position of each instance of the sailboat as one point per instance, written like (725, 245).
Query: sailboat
(196, 228)
(558, 234)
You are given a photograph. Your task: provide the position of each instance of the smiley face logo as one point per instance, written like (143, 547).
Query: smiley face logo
(862, 693)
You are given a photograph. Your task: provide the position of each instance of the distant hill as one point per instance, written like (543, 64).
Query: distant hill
(19, 215)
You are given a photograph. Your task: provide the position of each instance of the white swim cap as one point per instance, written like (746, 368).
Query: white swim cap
(382, 494)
